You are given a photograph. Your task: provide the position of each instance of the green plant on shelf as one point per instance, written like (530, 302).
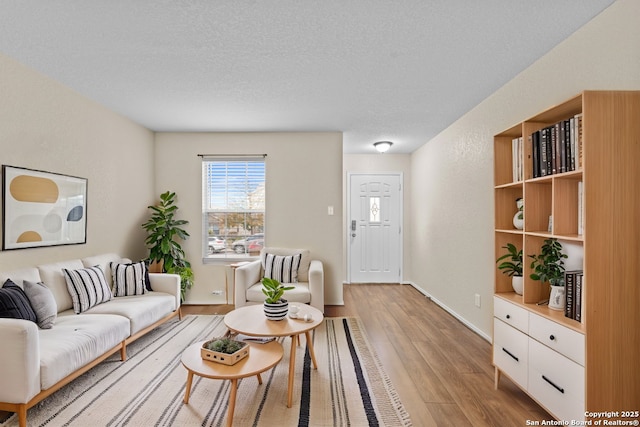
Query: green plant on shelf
(511, 262)
(548, 266)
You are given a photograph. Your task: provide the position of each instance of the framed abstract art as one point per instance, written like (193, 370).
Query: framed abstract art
(42, 209)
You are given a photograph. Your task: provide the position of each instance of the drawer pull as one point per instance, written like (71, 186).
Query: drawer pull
(561, 390)
(510, 354)
(551, 337)
(508, 316)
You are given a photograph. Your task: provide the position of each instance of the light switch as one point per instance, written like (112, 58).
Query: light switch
(330, 210)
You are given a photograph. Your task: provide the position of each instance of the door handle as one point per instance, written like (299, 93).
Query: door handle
(353, 228)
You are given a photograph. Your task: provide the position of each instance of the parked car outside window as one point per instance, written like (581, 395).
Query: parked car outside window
(216, 244)
(242, 246)
(255, 246)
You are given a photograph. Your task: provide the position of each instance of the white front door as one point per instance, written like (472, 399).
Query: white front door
(374, 228)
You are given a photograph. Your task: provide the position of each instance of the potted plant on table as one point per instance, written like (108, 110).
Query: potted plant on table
(275, 307)
(163, 230)
(548, 267)
(511, 265)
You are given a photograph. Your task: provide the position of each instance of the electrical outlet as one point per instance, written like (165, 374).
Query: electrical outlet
(478, 300)
(217, 293)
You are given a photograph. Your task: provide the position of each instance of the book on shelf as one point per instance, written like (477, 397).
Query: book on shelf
(580, 208)
(578, 296)
(557, 148)
(517, 154)
(534, 141)
(573, 294)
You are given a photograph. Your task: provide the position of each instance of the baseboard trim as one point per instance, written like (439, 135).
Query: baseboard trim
(450, 311)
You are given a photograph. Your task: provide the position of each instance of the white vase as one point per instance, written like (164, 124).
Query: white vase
(518, 222)
(517, 283)
(556, 298)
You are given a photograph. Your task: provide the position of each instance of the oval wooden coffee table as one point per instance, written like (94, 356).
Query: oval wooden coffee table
(261, 357)
(250, 320)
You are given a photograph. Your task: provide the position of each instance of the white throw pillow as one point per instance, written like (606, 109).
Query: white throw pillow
(129, 279)
(282, 268)
(87, 287)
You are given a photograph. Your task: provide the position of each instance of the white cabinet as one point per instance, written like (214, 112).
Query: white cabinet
(511, 314)
(557, 337)
(556, 382)
(511, 352)
(544, 358)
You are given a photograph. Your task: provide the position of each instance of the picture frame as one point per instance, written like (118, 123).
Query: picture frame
(42, 208)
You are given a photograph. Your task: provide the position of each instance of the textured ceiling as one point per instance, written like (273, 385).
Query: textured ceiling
(375, 70)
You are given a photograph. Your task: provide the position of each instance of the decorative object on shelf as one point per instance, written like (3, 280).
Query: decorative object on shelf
(42, 209)
(518, 218)
(548, 266)
(275, 307)
(511, 265)
(224, 350)
(163, 229)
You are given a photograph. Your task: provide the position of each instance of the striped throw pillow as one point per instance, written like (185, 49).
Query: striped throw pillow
(87, 287)
(129, 279)
(282, 268)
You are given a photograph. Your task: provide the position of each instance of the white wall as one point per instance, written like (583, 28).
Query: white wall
(453, 177)
(381, 163)
(304, 177)
(46, 126)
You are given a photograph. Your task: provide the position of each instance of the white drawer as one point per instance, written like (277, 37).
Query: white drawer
(556, 382)
(510, 352)
(511, 314)
(558, 337)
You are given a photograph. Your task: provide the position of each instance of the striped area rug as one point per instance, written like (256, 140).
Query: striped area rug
(349, 388)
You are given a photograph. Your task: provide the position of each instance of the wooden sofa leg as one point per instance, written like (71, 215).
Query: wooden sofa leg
(180, 313)
(123, 352)
(22, 415)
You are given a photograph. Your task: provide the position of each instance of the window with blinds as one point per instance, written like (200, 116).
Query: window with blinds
(233, 207)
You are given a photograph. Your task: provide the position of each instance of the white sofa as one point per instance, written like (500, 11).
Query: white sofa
(309, 289)
(37, 362)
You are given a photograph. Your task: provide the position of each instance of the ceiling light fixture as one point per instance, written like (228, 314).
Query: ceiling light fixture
(382, 146)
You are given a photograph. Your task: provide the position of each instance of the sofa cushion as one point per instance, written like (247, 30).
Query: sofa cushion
(20, 275)
(104, 261)
(299, 293)
(282, 268)
(75, 341)
(53, 278)
(88, 287)
(42, 302)
(14, 303)
(141, 310)
(129, 279)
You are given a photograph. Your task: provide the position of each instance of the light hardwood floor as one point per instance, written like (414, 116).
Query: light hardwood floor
(440, 368)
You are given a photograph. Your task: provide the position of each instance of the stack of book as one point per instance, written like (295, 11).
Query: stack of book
(557, 148)
(574, 283)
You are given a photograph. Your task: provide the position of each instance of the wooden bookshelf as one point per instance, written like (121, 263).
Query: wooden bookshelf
(608, 248)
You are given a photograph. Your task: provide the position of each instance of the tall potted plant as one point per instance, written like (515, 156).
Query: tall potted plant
(163, 231)
(548, 267)
(511, 265)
